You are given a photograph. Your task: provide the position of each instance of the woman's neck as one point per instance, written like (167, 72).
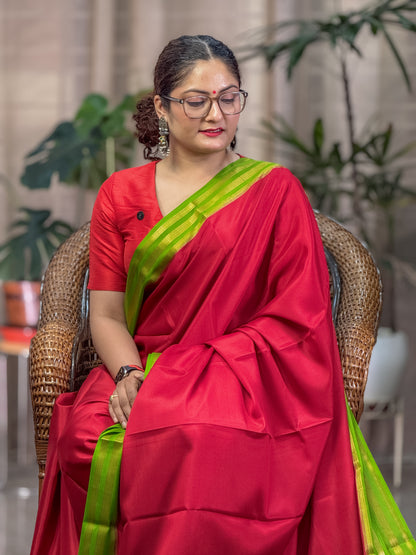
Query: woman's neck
(198, 165)
(177, 179)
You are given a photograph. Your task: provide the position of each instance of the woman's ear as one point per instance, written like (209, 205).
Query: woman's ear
(159, 108)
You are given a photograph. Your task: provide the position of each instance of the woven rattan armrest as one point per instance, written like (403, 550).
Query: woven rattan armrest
(51, 350)
(50, 364)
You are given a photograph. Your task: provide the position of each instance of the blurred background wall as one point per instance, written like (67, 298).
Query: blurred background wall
(54, 52)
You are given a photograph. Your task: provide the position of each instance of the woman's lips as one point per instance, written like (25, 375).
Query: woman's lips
(212, 132)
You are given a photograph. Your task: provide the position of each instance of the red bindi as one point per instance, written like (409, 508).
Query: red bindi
(214, 92)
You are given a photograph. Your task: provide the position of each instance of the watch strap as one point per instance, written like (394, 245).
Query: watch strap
(125, 371)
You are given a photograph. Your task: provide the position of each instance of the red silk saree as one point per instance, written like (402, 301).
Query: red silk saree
(238, 441)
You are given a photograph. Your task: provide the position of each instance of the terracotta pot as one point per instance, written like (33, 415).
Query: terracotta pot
(22, 302)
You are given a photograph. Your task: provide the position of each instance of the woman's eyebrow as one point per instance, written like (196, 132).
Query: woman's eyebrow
(207, 93)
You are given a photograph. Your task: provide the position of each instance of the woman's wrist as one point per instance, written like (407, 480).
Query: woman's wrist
(125, 371)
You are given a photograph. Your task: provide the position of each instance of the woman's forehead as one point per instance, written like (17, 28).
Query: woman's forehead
(208, 76)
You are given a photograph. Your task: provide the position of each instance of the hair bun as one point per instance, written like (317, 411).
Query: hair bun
(147, 127)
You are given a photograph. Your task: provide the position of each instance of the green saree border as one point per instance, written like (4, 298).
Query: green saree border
(99, 526)
(384, 529)
(177, 228)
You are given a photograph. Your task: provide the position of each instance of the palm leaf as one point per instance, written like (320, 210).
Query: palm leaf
(398, 57)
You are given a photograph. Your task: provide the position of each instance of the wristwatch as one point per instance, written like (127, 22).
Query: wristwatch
(125, 371)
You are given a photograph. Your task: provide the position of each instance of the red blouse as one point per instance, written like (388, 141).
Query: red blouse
(126, 209)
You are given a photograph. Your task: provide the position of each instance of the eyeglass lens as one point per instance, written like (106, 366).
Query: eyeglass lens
(230, 103)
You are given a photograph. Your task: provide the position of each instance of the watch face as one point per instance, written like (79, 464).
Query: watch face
(124, 371)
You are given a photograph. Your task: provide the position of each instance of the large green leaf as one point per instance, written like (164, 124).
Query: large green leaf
(90, 114)
(58, 153)
(76, 151)
(33, 239)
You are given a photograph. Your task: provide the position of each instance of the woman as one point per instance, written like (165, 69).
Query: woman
(207, 268)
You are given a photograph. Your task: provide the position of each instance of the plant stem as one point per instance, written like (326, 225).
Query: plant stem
(356, 205)
(83, 185)
(110, 156)
(391, 292)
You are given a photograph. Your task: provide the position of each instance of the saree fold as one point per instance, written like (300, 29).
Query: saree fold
(238, 440)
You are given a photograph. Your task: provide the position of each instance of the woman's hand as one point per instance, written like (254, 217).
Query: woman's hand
(122, 398)
(116, 348)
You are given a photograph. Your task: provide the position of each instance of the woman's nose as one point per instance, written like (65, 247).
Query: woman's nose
(215, 112)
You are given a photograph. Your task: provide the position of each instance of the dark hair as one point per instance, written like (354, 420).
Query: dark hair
(175, 62)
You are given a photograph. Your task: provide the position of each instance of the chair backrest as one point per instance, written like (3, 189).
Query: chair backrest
(62, 353)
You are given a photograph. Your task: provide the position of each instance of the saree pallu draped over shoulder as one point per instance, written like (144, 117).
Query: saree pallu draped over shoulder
(238, 440)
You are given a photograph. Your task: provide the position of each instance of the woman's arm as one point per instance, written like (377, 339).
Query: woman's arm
(116, 348)
(111, 338)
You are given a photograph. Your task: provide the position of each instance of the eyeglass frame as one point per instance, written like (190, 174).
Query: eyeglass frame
(210, 98)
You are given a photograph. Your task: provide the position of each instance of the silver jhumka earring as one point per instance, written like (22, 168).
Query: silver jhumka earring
(163, 137)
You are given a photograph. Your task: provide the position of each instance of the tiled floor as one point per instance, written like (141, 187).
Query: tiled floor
(18, 502)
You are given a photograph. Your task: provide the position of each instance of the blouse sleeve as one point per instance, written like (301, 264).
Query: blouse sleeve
(107, 271)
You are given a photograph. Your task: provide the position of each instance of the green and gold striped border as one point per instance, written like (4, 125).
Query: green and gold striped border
(99, 527)
(384, 529)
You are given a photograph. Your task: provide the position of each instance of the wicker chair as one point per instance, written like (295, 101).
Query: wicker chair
(62, 354)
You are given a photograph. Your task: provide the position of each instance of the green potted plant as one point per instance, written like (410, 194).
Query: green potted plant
(364, 175)
(86, 150)
(33, 237)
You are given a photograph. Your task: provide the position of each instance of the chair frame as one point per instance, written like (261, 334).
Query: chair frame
(62, 352)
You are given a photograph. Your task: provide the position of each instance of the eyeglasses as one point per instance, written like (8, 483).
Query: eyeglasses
(195, 107)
